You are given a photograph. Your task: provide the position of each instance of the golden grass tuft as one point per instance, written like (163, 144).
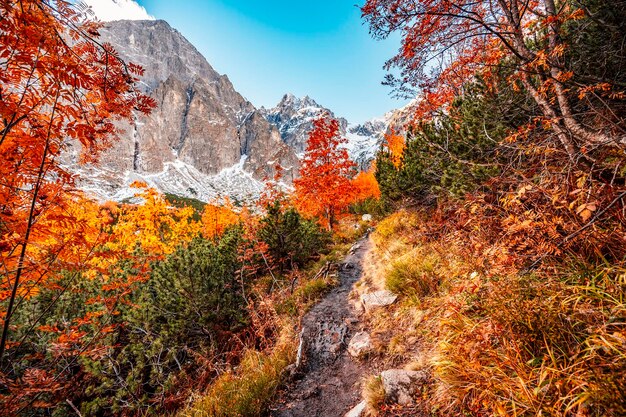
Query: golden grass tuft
(374, 394)
(414, 274)
(248, 391)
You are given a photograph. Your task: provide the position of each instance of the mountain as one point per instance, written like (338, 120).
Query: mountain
(203, 140)
(293, 117)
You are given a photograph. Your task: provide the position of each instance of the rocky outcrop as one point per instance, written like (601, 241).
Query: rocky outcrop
(200, 122)
(294, 117)
(401, 386)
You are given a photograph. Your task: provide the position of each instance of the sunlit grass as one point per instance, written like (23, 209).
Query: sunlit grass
(552, 343)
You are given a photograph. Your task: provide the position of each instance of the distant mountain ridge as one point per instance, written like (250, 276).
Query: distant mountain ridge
(293, 117)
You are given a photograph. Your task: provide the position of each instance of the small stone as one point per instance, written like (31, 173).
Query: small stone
(357, 411)
(360, 345)
(351, 321)
(375, 299)
(401, 386)
(355, 247)
(367, 218)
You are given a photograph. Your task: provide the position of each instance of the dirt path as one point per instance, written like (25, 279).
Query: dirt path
(329, 386)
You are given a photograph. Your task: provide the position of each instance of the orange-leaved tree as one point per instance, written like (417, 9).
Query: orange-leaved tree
(217, 217)
(324, 188)
(395, 144)
(153, 226)
(365, 185)
(57, 84)
(446, 43)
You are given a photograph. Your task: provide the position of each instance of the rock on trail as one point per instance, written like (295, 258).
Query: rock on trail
(330, 385)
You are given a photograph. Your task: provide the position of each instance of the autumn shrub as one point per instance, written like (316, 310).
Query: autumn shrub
(530, 345)
(247, 391)
(500, 339)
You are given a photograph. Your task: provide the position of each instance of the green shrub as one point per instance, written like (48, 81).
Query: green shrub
(291, 239)
(374, 206)
(187, 312)
(459, 152)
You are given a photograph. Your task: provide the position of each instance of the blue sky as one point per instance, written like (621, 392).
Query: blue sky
(268, 48)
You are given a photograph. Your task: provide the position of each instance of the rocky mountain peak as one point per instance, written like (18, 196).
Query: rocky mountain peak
(201, 128)
(294, 117)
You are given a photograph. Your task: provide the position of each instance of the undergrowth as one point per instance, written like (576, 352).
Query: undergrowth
(248, 389)
(498, 340)
(251, 388)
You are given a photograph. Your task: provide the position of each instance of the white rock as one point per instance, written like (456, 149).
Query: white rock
(401, 386)
(375, 299)
(354, 248)
(367, 218)
(357, 411)
(360, 344)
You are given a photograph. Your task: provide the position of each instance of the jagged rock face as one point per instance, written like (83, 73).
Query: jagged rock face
(294, 119)
(373, 128)
(200, 119)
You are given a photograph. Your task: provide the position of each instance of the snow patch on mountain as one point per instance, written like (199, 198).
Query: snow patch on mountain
(177, 178)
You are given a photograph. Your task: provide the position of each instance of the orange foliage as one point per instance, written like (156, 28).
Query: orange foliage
(324, 188)
(365, 185)
(395, 144)
(56, 83)
(216, 218)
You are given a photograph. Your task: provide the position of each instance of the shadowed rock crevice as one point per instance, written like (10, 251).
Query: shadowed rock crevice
(184, 126)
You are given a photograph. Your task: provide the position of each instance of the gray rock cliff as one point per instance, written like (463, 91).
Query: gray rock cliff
(200, 120)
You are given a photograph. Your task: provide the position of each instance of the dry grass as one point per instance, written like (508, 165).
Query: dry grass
(373, 394)
(498, 342)
(248, 391)
(250, 388)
